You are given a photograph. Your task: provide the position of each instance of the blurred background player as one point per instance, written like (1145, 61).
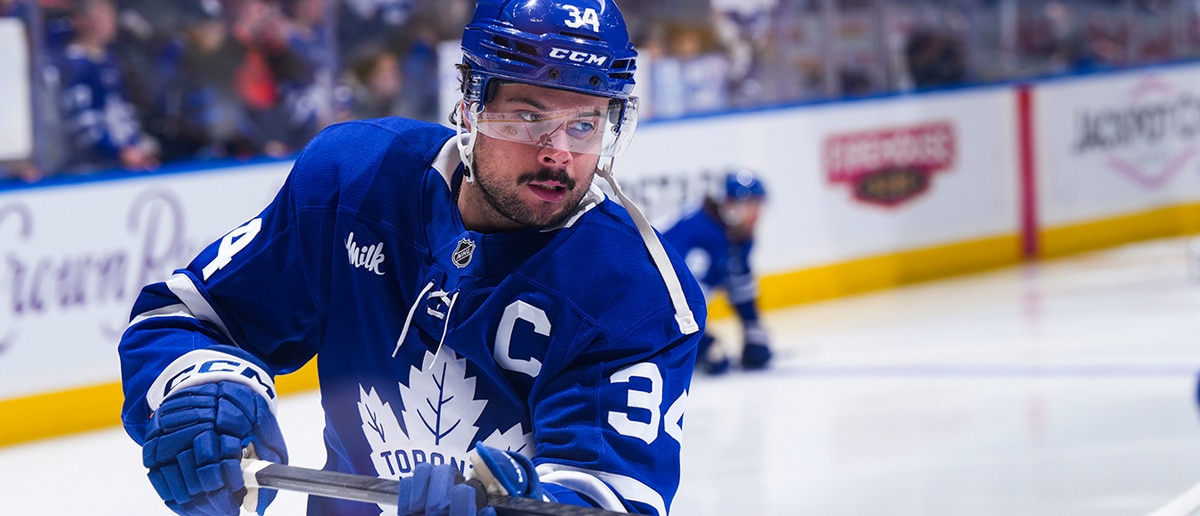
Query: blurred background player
(716, 240)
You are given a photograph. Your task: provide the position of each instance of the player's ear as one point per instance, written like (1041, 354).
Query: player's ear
(462, 114)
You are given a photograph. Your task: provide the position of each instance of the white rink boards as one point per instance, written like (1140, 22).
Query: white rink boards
(1059, 388)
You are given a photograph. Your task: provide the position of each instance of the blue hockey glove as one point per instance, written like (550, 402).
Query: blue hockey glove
(505, 472)
(194, 448)
(710, 358)
(440, 491)
(756, 348)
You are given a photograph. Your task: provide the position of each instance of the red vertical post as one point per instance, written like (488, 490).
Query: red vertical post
(1027, 162)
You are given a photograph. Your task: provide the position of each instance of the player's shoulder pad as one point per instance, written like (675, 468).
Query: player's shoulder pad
(353, 158)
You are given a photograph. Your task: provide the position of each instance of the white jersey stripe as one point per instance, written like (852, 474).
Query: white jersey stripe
(593, 485)
(183, 288)
(176, 310)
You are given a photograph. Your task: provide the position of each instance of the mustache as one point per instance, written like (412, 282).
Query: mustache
(547, 174)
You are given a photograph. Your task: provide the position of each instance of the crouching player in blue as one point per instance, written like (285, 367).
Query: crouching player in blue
(461, 291)
(716, 240)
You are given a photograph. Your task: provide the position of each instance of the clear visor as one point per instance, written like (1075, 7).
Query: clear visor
(580, 131)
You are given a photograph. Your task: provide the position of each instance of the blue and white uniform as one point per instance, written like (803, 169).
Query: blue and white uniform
(716, 240)
(716, 260)
(561, 344)
(98, 119)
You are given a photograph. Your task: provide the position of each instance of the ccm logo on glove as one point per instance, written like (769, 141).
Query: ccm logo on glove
(208, 366)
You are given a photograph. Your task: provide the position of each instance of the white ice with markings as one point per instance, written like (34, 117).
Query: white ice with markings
(1060, 388)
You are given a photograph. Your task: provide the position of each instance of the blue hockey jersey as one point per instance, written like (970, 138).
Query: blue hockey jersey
(715, 260)
(559, 344)
(98, 120)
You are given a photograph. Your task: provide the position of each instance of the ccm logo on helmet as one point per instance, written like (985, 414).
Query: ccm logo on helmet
(577, 56)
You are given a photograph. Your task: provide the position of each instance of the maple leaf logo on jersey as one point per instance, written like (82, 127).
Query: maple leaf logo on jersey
(440, 415)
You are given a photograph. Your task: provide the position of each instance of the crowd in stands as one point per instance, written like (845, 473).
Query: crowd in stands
(134, 84)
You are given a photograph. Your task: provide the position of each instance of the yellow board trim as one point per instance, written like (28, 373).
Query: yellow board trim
(90, 408)
(1093, 235)
(880, 272)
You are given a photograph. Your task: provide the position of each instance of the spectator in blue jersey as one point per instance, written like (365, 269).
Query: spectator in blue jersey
(306, 34)
(101, 126)
(716, 240)
(307, 94)
(421, 91)
(476, 305)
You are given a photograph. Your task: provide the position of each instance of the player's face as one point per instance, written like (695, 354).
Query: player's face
(535, 157)
(740, 218)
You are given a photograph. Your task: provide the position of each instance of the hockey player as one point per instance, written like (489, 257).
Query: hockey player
(460, 290)
(716, 240)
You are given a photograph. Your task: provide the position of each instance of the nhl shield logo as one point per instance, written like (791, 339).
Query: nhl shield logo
(463, 253)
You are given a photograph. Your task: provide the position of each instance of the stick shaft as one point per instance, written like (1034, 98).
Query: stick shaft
(330, 484)
(363, 488)
(1183, 505)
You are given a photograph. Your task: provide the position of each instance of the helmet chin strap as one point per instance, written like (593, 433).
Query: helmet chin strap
(683, 314)
(466, 140)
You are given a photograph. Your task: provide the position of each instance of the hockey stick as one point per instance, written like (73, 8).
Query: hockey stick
(1182, 505)
(363, 488)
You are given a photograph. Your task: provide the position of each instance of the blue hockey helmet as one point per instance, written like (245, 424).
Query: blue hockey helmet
(575, 45)
(580, 46)
(744, 185)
